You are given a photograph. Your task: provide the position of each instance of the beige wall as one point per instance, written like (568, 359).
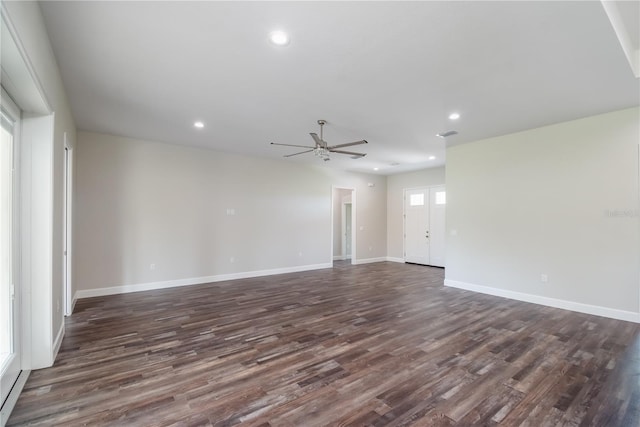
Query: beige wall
(140, 203)
(560, 200)
(396, 184)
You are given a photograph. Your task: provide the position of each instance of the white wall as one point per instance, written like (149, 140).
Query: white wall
(395, 203)
(540, 202)
(140, 203)
(46, 291)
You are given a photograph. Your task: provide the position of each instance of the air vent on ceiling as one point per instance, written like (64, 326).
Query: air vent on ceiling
(447, 133)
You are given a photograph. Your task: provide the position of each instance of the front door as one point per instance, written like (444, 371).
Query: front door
(424, 226)
(416, 231)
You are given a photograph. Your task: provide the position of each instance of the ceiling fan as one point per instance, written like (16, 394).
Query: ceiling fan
(322, 149)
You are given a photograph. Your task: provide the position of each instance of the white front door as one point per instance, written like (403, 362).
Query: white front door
(9, 261)
(416, 231)
(424, 227)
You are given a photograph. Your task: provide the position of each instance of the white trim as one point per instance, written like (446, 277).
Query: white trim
(394, 259)
(124, 289)
(11, 400)
(58, 341)
(368, 260)
(73, 303)
(339, 258)
(612, 313)
(43, 107)
(67, 236)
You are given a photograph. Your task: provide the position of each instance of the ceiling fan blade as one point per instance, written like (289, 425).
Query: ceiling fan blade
(351, 153)
(319, 142)
(290, 145)
(349, 144)
(295, 154)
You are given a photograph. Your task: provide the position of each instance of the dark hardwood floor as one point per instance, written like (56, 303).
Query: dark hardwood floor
(372, 345)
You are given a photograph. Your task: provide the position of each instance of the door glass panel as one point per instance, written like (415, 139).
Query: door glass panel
(441, 197)
(6, 231)
(416, 199)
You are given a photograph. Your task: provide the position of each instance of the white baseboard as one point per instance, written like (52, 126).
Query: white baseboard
(369, 260)
(73, 302)
(394, 259)
(58, 342)
(11, 400)
(339, 258)
(124, 289)
(612, 313)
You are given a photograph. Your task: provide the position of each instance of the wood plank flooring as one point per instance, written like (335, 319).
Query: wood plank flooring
(381, 344)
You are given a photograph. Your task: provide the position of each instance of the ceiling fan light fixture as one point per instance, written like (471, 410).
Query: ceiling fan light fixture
(322, 153)
(198, 125)
(279, 38)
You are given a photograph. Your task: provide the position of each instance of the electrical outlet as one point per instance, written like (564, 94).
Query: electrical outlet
(152, 266)
(544, 278)
(232, 260)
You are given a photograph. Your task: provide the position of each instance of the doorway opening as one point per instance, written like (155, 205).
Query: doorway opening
(343, 224)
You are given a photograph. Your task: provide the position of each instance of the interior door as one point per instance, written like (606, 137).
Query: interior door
(416, 230)
(9, 261)
(437, 203)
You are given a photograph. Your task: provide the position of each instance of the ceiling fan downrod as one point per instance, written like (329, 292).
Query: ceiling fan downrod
(321, 123)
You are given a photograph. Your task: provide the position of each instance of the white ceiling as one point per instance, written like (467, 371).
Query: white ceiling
(388, 72)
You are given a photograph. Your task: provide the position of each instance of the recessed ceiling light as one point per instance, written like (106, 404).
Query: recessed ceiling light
(279, 38)
(199, 125)
(432, 157)
(454, 116)
(375, 169)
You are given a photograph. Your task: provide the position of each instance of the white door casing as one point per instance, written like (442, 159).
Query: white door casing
(68, 220)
